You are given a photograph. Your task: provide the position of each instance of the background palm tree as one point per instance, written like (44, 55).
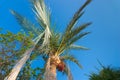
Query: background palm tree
(106, 73)
(50, 44)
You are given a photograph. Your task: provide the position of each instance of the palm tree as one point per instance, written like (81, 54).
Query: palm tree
(52, 45)
(106, 73)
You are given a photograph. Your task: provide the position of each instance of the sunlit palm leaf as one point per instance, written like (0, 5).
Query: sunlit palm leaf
(78, 47)
(43, 17)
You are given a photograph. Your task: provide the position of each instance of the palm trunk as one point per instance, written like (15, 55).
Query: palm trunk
(50, 72)
(16, 69)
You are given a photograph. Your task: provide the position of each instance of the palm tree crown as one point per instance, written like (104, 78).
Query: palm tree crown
(106, 73)
(50, 44)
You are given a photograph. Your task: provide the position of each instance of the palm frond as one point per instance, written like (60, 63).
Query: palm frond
(43, 17)
(66, 45)
(46, 37)
(38, 38)
(78, 47)
(26, 24)
(77, 15)
(71, 58)
(71, 34)
(76, 38)
(72, 23)
(54, 41)
(75, 32)
(68, 72)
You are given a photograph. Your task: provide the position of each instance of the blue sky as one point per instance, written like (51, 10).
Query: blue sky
(104, 41)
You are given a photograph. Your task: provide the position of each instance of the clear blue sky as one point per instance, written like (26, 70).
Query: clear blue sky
(104, 41)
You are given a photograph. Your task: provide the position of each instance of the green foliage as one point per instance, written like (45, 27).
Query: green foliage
(54, 42)
(12, 46)
(73, 33)
(106, 73)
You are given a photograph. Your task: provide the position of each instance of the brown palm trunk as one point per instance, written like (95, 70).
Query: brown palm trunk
(50, 72)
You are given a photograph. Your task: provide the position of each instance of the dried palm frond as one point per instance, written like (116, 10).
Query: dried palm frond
(43, 17)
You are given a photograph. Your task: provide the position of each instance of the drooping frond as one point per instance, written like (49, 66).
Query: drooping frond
(71, 58)
(26, 24)
(43, 17)
(68, 72)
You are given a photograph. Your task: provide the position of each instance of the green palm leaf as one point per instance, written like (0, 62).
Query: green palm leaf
(71, 34)
(70, 42)
(75, 32)
(77, 15)
(26, 24)
(76, 38)
(72, 59)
